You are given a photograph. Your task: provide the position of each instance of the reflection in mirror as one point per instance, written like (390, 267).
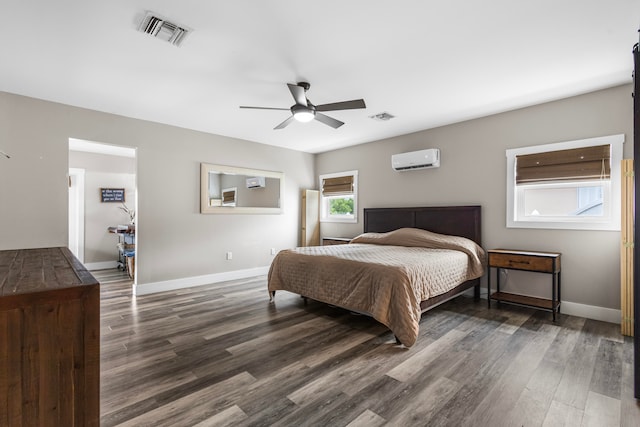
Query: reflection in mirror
(228, 194)
(226, 189)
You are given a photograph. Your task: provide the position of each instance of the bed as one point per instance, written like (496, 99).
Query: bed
(407, 261)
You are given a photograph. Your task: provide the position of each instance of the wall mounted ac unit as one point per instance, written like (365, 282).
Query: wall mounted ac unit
(256, 182)
(429, 158)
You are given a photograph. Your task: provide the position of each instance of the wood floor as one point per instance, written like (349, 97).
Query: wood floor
(223, 355)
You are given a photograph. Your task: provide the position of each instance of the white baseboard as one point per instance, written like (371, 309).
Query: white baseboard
(604, 314)
(104, 265)
(571, 308)
(187, 282)
(594, 312)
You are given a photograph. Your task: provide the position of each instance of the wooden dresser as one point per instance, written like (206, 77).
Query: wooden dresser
(49, 340)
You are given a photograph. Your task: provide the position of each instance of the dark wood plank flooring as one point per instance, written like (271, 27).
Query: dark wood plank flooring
(222, 355)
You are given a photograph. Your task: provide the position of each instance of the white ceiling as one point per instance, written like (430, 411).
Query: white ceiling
(427, 62)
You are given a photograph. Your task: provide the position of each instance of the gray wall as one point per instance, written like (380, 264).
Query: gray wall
(174, 239)
(473, 171)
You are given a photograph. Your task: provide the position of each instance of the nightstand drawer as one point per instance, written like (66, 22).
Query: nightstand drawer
(521, 262)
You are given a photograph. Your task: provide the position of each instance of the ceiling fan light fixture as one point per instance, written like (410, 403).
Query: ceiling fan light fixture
(304, 116)
(303, 113)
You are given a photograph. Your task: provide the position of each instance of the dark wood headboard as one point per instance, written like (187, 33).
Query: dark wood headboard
(454, 220)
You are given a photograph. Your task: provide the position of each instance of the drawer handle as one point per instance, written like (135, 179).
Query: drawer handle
(519, 262)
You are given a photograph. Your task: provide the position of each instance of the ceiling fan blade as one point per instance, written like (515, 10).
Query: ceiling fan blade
(264, 108)
(345, 105)
(284, 124)
(298, 94)
(328, 120)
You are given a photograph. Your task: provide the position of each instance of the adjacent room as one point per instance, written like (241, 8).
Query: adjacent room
(328, 214)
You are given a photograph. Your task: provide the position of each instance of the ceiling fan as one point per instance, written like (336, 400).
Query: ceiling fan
(304, 111)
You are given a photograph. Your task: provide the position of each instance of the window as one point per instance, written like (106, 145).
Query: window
(229, 196)
(569, 185)
(339, 201)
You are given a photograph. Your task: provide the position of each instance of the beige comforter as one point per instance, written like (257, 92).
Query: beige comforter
(385, 275)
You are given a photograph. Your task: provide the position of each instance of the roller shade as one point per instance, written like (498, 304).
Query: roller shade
(337, 186)
(575, 164)
(228, 197)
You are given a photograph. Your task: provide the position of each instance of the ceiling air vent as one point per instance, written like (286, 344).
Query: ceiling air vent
(382, 117)
(159, 27)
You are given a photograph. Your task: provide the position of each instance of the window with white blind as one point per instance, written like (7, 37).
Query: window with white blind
(339, 201)
(570, 185)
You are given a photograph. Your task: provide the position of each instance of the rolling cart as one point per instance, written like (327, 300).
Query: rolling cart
(126, 245)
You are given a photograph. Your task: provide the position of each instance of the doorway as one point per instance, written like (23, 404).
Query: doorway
(96, 222)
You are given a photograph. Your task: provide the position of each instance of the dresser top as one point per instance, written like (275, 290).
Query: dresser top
(526, 253)
(25, 271)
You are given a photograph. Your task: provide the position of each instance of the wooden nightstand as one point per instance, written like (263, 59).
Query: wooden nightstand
(540, 262)
(326, 241)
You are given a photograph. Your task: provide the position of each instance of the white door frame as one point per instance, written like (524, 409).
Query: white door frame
(76, 212)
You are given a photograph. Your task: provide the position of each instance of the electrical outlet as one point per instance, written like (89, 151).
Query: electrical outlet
(273, 251)
(229, 255)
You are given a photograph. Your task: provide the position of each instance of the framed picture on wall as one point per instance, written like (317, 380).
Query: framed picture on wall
(112, 195)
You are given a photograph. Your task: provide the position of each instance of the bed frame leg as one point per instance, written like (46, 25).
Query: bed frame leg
(476, 291)
(397, 340)
(272, 295)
